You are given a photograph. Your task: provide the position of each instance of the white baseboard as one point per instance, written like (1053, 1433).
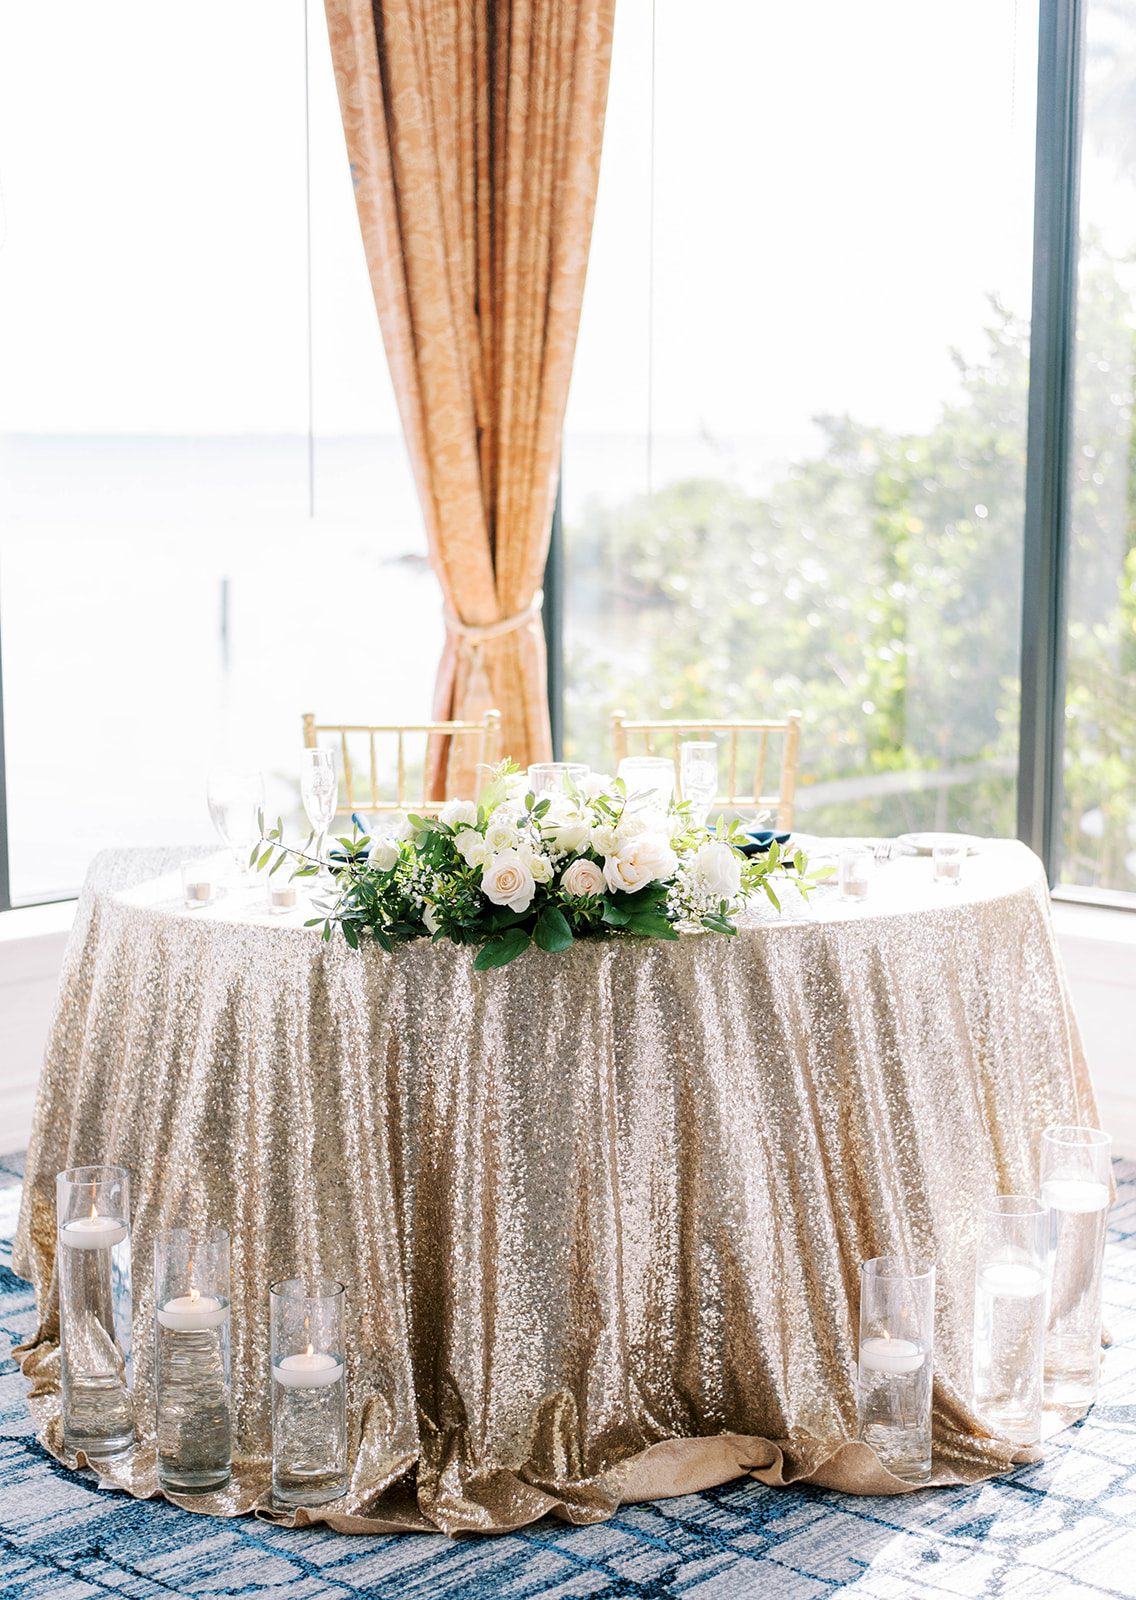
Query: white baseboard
(1098, 947)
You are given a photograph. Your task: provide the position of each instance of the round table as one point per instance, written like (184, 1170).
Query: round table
(600, 1213)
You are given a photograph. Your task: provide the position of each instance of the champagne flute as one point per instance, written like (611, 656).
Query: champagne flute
(319, 790)
(234, 799)
(698, 767)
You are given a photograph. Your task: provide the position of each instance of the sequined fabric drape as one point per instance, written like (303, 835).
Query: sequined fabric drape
(599, 1213)
(474, 136)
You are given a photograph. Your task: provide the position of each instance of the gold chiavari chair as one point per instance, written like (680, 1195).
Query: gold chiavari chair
(666, 738)
(364, 791)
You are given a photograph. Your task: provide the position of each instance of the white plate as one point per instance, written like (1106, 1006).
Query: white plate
(924, 843)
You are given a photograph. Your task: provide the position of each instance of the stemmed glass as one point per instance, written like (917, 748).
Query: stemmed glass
(234, 799)
(319, 790)
(698, 766)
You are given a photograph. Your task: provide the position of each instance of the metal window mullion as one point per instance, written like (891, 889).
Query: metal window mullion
(1052, 350)
(554, 625)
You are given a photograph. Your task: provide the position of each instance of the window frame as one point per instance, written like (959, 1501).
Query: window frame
(1056, 242)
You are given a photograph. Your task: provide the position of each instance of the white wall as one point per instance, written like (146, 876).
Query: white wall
(1098, 946)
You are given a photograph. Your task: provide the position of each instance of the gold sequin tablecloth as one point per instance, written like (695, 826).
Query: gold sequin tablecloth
(600, 1214)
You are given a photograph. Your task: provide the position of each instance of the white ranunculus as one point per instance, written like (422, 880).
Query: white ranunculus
(430, 919)
(472, 848)
(382, 855)
(508, 881)
(459, 814)
(648, 858)
(583, 877)
(716, 869)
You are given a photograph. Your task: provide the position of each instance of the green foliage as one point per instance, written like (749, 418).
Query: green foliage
(434, 884)
(877, 588)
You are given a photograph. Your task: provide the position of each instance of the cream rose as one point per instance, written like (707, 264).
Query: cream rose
(646, 859)
(716, 869)
(430, 919)
(459, 814)
(508, 881)
(583, 877)
(382, 855)
(605, 839)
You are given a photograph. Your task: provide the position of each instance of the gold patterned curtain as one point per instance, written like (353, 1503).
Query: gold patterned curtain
(474, 130)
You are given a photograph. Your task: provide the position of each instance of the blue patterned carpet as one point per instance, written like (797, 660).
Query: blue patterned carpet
(1066, 1527)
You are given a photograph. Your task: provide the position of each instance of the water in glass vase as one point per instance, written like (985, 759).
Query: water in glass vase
(1078, 1213)
(194, 1415)
(309, 1440)
(1009, 1337)
(895, 1406)
(94, 1299)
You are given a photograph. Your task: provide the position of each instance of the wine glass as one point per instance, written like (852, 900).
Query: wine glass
(319, 790)
(234, 800)
(698, 768)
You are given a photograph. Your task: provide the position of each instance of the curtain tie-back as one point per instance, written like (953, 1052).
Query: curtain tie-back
(471, 636)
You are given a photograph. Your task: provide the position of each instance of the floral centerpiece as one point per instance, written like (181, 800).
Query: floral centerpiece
(517, 869)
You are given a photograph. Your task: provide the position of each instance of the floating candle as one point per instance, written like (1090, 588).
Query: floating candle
(282, 897)
(192, 1312)
(1074, 1194)
(1015, 1280)
(891, 1355)
(315, 1369)
(93, 1232)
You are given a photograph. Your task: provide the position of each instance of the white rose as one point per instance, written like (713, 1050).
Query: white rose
(583, 877)
(382, 855)
(632, 827)
(517, 786)
(647, 859)
(717, 869)
(508, 881)
(459, 814)
(540, 867)
(596, 783)
(566, 828)
(395, 825)
(501, 835)
(605, 839)
(472, 848)
(430, 919)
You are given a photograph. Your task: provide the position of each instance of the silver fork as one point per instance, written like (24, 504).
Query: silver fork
(882, 851)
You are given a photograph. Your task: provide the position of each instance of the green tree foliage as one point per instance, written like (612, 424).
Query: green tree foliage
(877, 587)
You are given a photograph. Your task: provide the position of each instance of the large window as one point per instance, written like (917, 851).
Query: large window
(201, 468)
(1100, 708)
(795, 458)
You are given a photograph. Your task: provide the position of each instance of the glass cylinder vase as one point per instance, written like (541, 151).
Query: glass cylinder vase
(1009, 1316)
(309, 1391)
(92, 1209)
(897, 1329)
(1075, 1174)
(556, 777)
(192, 1362)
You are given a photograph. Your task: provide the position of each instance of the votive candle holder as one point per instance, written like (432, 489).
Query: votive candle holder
(309, 1391)
(92, 1208)
(947, 858)
(192, 1366)
(1009, 1315)
(1075, 1176)
(895, 1363)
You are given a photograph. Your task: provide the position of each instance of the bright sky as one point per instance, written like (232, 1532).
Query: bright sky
(837, 187)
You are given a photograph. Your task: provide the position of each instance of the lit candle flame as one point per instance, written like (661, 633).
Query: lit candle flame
(94, 1213)
(309, 1350)
(887, 1335)
(194, 1294)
